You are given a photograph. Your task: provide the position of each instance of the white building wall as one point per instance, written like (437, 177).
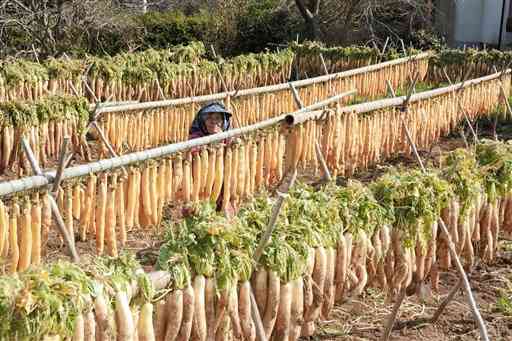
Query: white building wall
(478, 21)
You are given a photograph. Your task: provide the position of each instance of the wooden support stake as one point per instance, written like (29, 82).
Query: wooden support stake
(107, 143)
(160, 90)
(62, 165)
(445, 302)
(392, 317)
(453, 253)
(53, 204)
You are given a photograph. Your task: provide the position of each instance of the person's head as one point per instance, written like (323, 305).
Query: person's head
(214, 118)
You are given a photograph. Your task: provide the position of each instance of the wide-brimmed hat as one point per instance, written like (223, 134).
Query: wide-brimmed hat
(215, 107)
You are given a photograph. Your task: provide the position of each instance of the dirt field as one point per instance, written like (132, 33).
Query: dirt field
(363, 318)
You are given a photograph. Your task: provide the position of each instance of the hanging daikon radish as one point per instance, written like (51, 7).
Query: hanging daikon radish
(169, 194)
(147, 209)
(176, 312)
(36, 232)
(196, 177)
(258, 179)
(145, 324)
(219, 174)
(101, 207)
(297, 309)
(272, 305)
(25, 238)
(199, 331)
(89, 327)
(187, 179)
(78, 332)
(120, 208)
(228, 174)
(68, 212)
(244, 311)
(124, 319)
(76, 201)
(86, 217)
(210, 177)
(259, 285)
(46, 222)
(241, 169)
(153, 192)
(160, 320)
(330, 288)
(233, 314)
(282, 327)
(188, 314)
(204, 172)
(131, 199)
(209, 302)
(110, 218)
(4, 229)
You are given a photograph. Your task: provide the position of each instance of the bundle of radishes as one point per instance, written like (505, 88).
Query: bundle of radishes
(44, 124)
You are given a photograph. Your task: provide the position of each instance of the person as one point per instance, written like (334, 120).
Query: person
(213, 118)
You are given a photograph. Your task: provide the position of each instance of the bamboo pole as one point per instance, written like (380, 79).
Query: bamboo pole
(54, 207)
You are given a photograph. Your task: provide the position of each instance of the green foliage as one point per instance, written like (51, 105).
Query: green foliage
(164, 29)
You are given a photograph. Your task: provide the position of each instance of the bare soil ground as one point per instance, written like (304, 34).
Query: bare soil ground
(362, 318)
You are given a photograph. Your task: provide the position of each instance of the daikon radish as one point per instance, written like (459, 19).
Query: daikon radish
(78, 332)
(228, 174)
(244, 311)
(153, 192)
(145, 325)
(204, 172)
(160, 320)
(319, 274)
(210, 177)
(196, 177)
(209, 301)
(174, 315)
(85, 222)
(177, 182)
(329, 287)
(341, 268)
(76, 201)
(187, 179)
(121, 209)
(233, 314)
(188, 316)
(308, 286)
(36, 233)
(89, 327)
(25, 240)
(110, 220)
(282, 327)
(100, 214)
(199, 331)
(272, 306)
(297, 309)
(4, 228)
(260, 280)
(101, 314)
(219, 174)
(124, 319)
(68, 212)
(147, 209)
(221, 310)
(131, 199)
